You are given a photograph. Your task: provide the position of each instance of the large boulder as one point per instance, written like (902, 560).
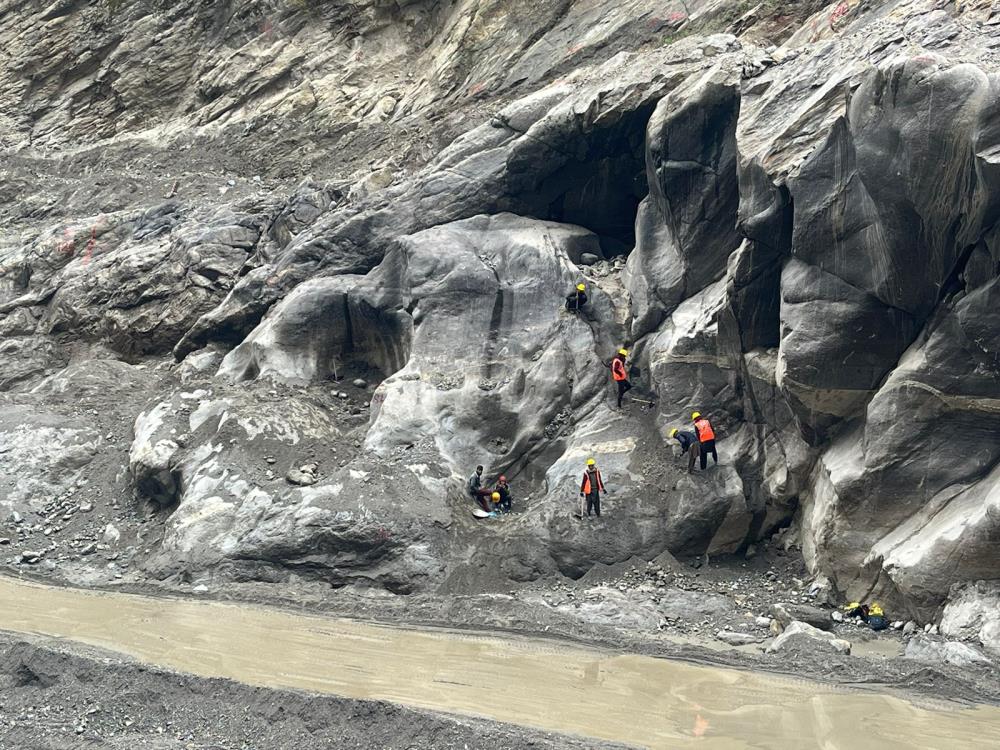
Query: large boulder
(973, 613)
(802, 638)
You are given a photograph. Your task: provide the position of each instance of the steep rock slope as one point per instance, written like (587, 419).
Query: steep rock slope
(798, 240)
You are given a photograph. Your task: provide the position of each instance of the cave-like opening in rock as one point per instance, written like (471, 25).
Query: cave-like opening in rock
(601, 190)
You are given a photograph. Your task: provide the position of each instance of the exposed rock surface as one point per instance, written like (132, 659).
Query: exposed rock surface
(798, 240)
(800, 636)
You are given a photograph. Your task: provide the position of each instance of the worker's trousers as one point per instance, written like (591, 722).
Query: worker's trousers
(594, 503)
(694, 450)
(623, 387)
(708, 446)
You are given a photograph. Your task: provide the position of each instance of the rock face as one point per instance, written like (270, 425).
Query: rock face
(799, 241)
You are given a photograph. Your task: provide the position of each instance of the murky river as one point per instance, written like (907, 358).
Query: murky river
(632, 699)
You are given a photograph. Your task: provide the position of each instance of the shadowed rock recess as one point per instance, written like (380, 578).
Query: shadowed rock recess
(243, 240)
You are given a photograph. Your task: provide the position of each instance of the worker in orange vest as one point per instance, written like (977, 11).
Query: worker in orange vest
(706, 438)
(620, 374)
(591, 488)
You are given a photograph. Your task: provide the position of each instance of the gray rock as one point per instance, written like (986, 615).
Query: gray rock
(360, 383)
(923, 648)
(786, 613)
(30, 556)
(910, 627)
(804, 638)
(111, 534)
(737, 639)
(588, 259)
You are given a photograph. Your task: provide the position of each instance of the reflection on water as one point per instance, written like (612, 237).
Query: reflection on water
(632, 699)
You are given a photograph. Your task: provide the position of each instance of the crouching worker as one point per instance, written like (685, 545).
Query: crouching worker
(577, 299)
(689, 444)
(502, 490)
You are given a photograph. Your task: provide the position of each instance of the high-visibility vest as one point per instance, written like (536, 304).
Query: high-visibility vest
(618, 369)
(705, 431)
(585, 487)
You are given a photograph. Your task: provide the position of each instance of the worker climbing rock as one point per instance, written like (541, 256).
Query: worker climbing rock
(577, 298)
(689, 444)
(620, 375)
(706, 438)
(591, 489)
(476, 490)
(502, 488)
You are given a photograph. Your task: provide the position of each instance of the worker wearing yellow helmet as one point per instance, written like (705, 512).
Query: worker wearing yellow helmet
(620, 375)
(576, 299)
(591, 489)
(689, 444)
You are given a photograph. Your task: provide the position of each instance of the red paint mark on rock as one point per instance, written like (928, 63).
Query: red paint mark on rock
(476, 88)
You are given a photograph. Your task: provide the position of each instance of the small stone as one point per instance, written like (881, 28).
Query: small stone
(89, 549)
(737, 639)
(837, 616)
(342, 395)
(30, 556)
(910, 627)
(359, 383)
(201, 588)
(762, 622)
(4, 540)
(897, 625)
(751, 552)
(111, 534)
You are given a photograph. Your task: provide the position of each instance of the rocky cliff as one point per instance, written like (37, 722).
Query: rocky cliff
(243, 239)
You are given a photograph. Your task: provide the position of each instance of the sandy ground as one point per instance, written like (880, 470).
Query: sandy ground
(59, 696)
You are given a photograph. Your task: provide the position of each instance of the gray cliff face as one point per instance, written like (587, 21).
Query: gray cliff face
(213, 218)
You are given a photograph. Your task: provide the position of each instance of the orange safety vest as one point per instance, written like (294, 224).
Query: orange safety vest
(705, 431)
(618, 369)
(585, 487)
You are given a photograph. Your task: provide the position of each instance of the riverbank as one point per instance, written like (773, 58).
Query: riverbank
(549, 685)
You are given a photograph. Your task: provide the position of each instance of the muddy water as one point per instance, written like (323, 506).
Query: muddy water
(631, 699)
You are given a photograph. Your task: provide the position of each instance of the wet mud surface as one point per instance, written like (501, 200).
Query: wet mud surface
(545, 685)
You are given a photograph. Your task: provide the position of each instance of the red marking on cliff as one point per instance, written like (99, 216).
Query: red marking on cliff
(267, 28)
(88, 252)
(838, 14)
(574, 49)
(476, 88)
(68, 245)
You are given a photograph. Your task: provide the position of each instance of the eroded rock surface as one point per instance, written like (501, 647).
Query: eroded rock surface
(205, 253)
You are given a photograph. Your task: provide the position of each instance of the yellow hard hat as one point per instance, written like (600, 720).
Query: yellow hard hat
(495, 496)
(696, 415)
(673, 432)
(623, 352)
(591, 462)
(581, 287)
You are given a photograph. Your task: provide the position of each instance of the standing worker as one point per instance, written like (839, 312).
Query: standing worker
(689, 444)
(591, 488)
(620, 375)
(476, 490)
(706, 436)
(577, 298)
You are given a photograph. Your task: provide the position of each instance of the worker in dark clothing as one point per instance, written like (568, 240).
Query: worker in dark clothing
(706, 438)
(503, 489)
(476, 490)
(577, 299)
(689, 444)
(620, 374)
(591, 488)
